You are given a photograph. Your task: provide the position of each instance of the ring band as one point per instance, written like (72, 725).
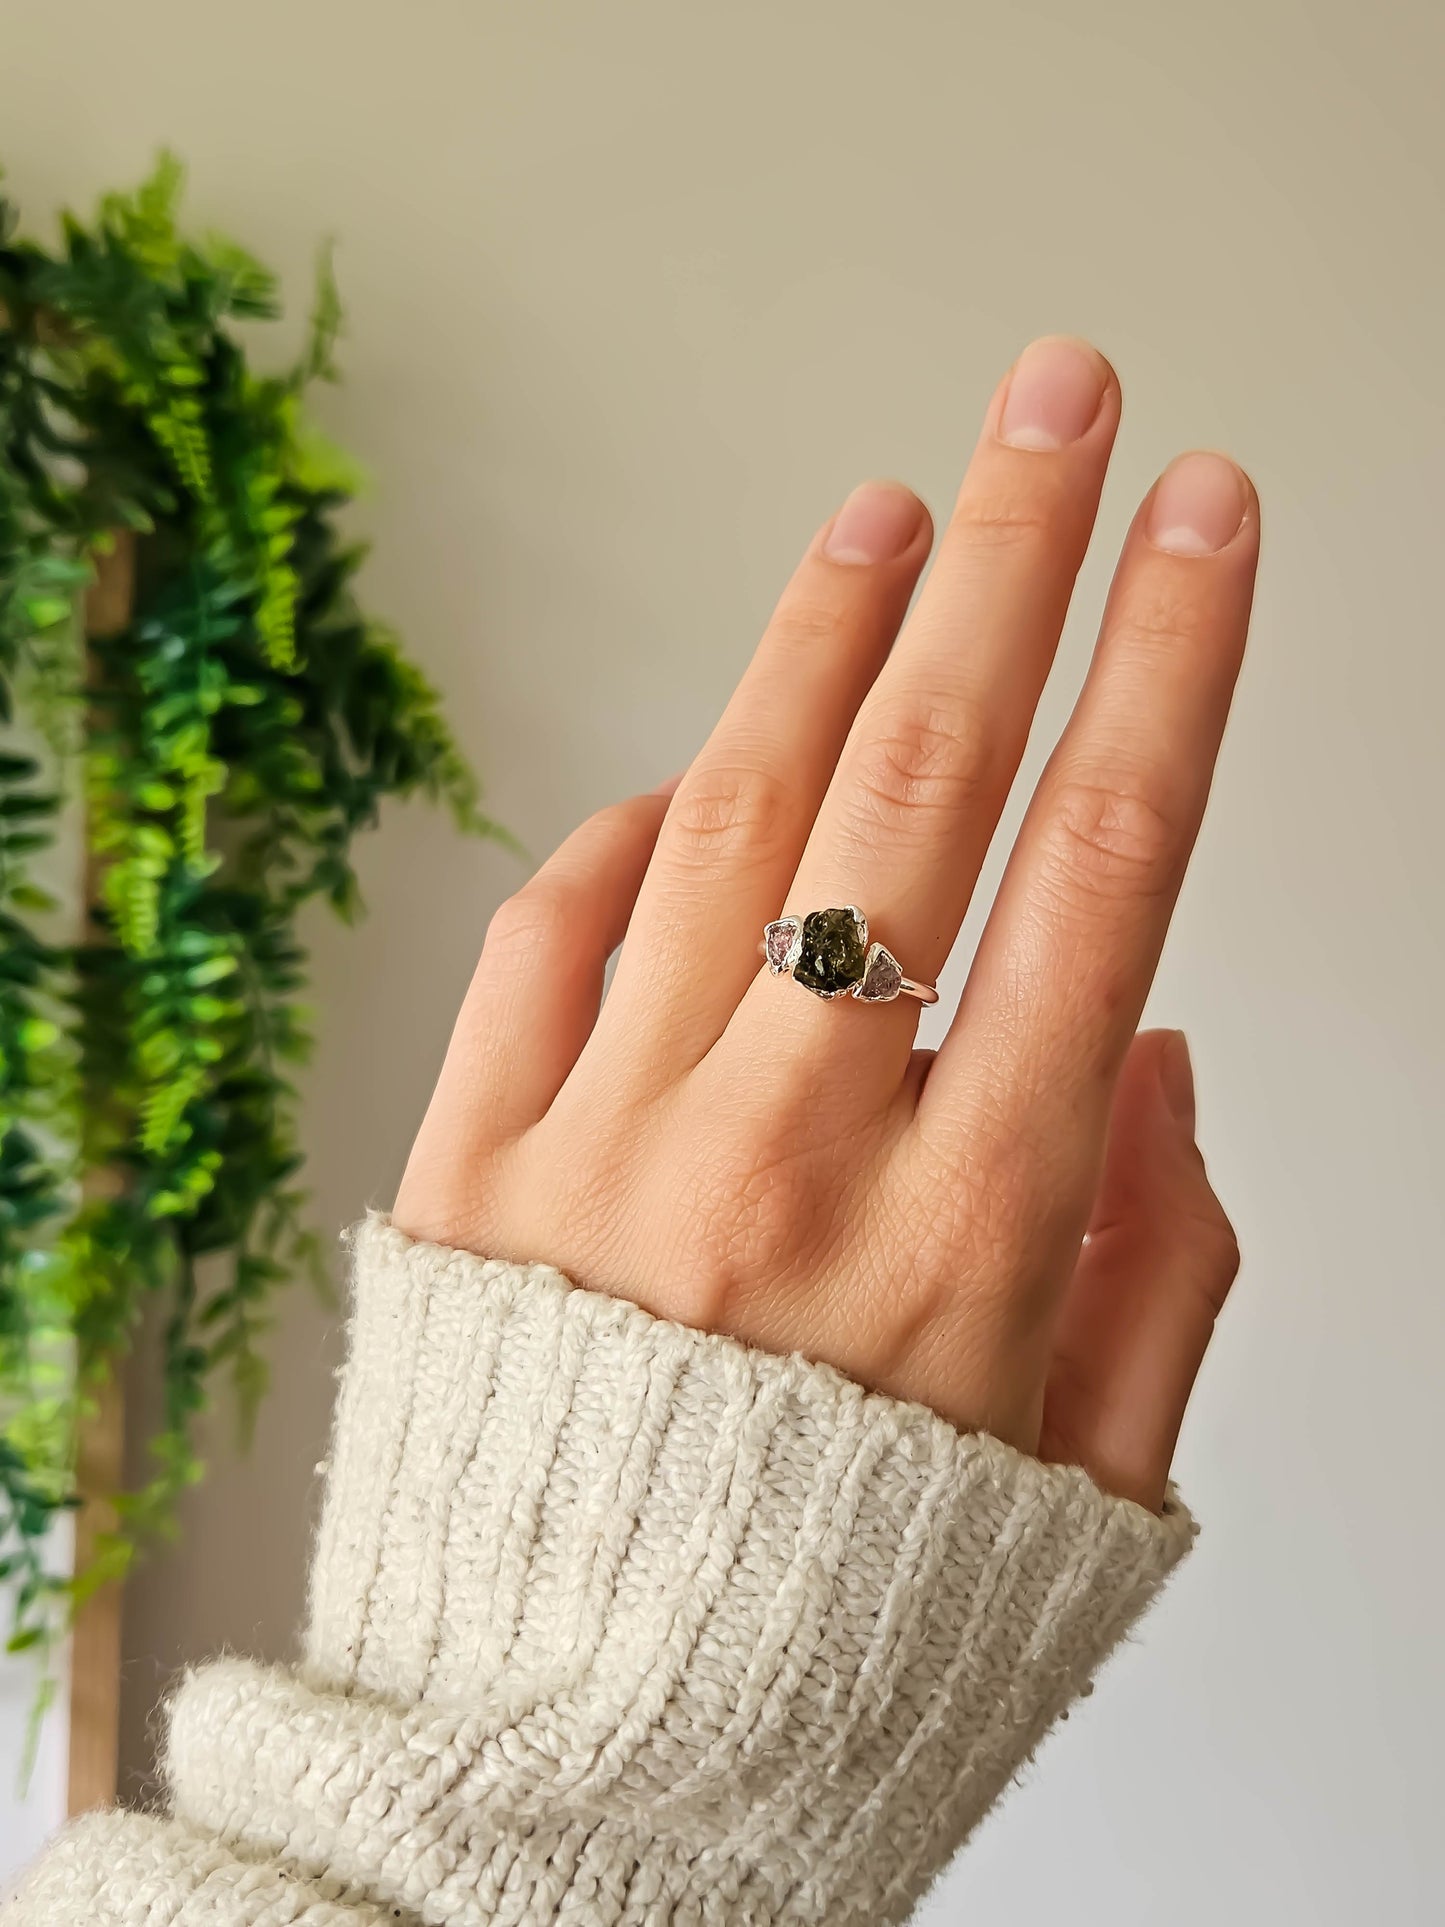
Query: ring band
(828, 952)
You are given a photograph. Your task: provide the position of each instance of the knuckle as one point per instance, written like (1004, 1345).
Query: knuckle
(449, 1194)
(1112, 839)
(774, 1203)
(1217, 1245)
(632, 822)
(628, 816)
(805, 622)
(528, 923)
(757, 1211)
(1157, 621)
(728, 812)
(1003, 518)
(1001, 1203)
(1196, 1244)
(623, 821)
(919, 759)
(938, 1204)
(768, 1186)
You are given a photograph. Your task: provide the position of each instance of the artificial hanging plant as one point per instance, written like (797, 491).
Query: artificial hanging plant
(223, 745)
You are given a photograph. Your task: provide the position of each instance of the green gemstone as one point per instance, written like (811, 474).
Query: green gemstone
(834, 952)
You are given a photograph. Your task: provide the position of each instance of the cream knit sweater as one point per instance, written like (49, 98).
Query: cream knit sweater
(616, 1623)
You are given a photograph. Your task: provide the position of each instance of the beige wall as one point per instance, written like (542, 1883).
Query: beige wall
(637, 291)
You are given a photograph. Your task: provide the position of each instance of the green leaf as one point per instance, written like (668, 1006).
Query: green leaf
(212, 971)
(236, 737)
(29, 896)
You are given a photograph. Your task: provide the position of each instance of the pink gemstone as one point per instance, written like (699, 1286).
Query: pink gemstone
(778, 941)
(882, 977)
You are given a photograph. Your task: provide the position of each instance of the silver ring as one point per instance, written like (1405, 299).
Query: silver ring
(828, 952)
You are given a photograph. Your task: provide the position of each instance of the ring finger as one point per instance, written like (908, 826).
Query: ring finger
(927, 766)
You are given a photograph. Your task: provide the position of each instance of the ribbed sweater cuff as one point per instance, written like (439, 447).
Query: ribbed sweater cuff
(616, 1622)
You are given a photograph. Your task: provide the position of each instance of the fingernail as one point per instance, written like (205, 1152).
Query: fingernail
(1176, 1075)
(1053, 393)
(1198, 505)
(875, 524)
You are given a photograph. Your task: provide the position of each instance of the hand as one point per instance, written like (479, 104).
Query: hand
(1017, 1229)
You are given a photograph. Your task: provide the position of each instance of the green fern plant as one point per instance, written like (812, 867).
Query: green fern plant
(225, 747)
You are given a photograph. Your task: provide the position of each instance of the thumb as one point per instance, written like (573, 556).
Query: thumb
(1156, 1265)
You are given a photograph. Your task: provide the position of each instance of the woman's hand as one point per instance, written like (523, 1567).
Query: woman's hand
(1016, 1230)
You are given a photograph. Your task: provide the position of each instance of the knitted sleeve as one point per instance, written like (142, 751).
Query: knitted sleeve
(618, 1624)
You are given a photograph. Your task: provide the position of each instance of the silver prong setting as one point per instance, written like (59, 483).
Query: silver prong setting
(782, 942)
(882, 977)
(828, 959)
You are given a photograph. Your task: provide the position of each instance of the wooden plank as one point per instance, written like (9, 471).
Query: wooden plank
(94, 1735)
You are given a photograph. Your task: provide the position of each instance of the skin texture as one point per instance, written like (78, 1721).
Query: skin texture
(1016, 1230)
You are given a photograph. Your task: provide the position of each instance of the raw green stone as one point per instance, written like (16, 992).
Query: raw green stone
(833, 954)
